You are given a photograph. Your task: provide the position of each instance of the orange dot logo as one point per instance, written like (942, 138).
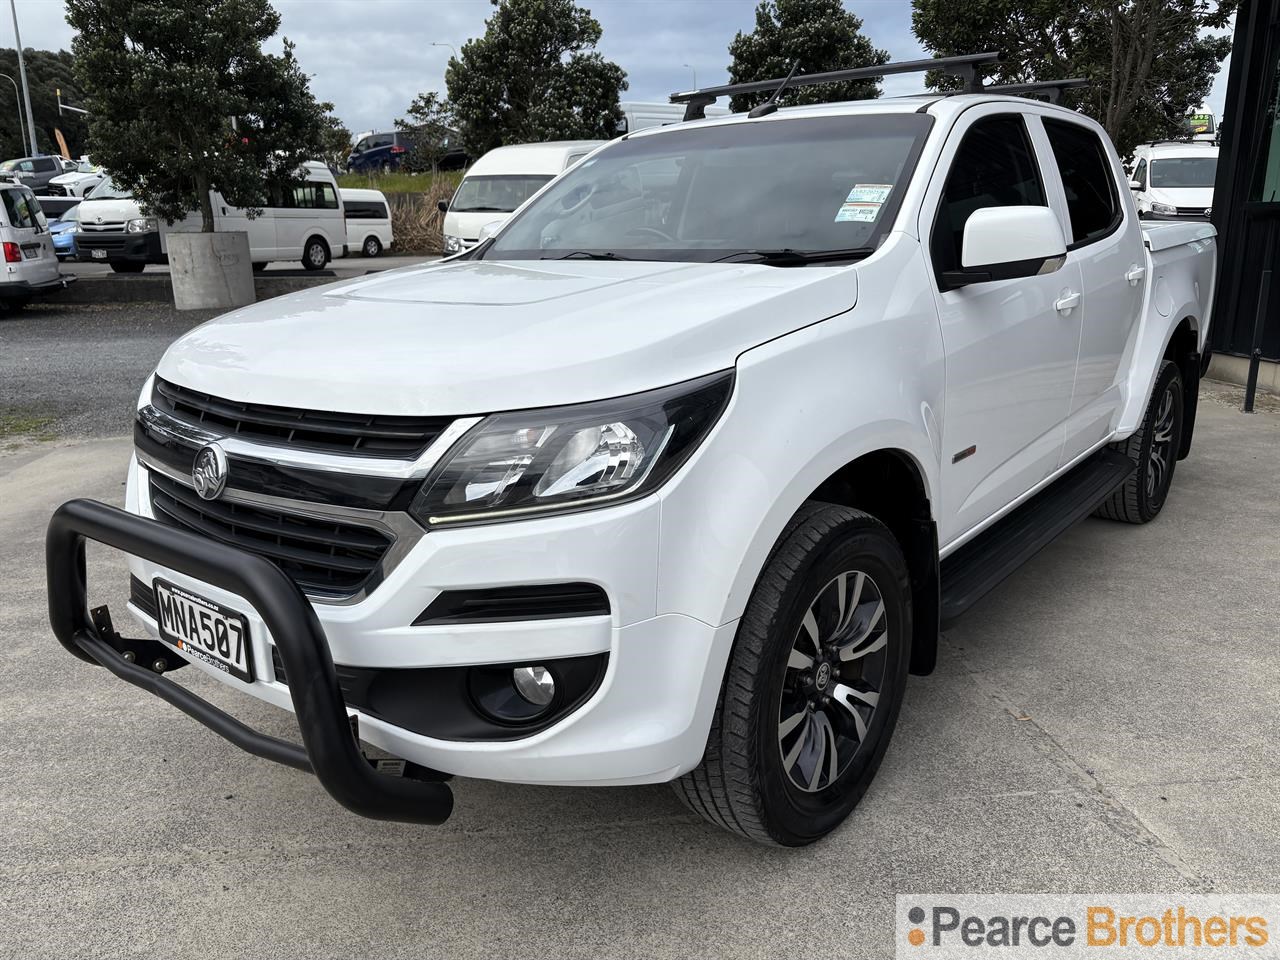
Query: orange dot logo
(915, 936)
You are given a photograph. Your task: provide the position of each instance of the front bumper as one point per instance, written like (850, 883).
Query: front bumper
(329, 748)
(130, 247)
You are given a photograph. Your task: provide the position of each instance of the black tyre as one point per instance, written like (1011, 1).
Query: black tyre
(1154, 448)
(372, 247)
(315, 255)
(814, 683)
(127, 266)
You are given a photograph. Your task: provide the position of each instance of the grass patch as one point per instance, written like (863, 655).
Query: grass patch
(402, 182)
(16, 423)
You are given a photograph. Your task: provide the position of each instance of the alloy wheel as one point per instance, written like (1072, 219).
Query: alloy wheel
(834, 676)
(1161, 455)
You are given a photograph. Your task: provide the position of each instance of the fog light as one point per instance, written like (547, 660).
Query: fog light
(535, 684)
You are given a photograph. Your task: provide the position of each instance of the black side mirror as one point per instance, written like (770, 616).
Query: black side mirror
(442, 206)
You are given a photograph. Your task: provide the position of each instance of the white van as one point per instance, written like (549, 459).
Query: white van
(304, 223)
(641, 116)
(500, 181)
(1174, 180)
(30, 265)
(368, 221)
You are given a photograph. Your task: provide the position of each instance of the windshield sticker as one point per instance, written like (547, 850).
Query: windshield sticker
(859, 212)
(869, 193)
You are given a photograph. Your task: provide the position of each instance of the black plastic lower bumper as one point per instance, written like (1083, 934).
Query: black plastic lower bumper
(329, 748)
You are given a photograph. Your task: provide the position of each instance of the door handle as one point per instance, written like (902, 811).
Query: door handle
(1135, 274)
(1067, 302)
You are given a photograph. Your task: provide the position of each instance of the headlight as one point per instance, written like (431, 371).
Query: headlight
(1164, 209)
(452, 244)
(557, 459)
(142, 225)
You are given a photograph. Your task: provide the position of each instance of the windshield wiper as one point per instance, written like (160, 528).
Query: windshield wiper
(788, 257)
(479, 210)
(587, 255)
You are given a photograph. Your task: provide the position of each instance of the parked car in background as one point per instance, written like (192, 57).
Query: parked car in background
(368, 221)
(500, 181)
(30, 266)
(63, 233)
(1174, 180)
(302, 223)
(78, 182)
(35, 172)
(389, 152)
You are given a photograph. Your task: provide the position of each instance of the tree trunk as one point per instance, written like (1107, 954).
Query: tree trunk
(206, 203)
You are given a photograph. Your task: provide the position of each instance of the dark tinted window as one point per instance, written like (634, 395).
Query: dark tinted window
(380, 140)
(1184, 172)
(1086, 178)
(1140, 172)
(994, 167)
(365, 210)
(22, 209)
(45, 164)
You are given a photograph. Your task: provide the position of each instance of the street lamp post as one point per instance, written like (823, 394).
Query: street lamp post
(17, 99)
(22, 72)
(436, 43)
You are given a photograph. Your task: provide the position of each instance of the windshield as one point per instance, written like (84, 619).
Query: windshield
(496, 194)
(85, 166)
(804, 185)
(1183, 172)
(107, 190)
(8, 166)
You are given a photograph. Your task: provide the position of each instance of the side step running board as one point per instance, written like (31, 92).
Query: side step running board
(980, 565)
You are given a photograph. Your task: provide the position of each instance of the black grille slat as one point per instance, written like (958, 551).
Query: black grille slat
(503, 604)
(375, 435)
(322, 556)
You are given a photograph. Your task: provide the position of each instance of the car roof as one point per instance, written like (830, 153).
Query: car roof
(531, 158)
(1176, 149)
(361, 193)
(942, 106)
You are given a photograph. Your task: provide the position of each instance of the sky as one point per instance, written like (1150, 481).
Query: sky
(371, 57)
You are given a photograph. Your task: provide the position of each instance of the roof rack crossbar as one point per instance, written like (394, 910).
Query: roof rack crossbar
(965, 67)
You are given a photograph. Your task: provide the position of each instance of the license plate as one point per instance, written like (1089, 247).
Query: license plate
(31, 251)
(204, 630)
(98, 254)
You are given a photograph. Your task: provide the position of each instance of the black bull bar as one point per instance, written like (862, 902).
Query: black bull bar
(330, 749)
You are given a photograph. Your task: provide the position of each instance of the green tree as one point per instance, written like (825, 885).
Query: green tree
(1149, 62)
(182, 99)
(429, 122)
(47, 72)
(335, 138)
(821, 34)
(534, 76)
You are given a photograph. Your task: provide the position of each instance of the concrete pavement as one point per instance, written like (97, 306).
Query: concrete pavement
(1105, 721)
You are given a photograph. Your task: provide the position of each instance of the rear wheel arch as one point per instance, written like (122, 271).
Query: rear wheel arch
(1183, 348)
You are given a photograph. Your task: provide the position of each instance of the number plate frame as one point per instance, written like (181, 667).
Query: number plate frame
(196, 649)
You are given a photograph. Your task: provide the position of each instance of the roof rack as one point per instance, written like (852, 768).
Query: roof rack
(965, 67)
(1050, 88)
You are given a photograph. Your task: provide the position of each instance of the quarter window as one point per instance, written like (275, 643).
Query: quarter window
(1086, 178)
(1140, 173)
(994, 167)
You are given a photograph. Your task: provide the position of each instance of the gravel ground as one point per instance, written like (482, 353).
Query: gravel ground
(75, 371)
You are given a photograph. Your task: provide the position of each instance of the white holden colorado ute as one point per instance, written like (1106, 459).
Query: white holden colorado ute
(676, 477)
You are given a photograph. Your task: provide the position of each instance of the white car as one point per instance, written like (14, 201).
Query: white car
(77, 183)
(304, 223)
(674, 479)
(1174, 180)
(30, 264)
(501, 180)
(368, 221)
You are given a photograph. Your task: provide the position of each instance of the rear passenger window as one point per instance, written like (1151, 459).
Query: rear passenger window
(994, 167)
(1087, 179)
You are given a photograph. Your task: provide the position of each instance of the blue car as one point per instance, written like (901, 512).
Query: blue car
(63, 232)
